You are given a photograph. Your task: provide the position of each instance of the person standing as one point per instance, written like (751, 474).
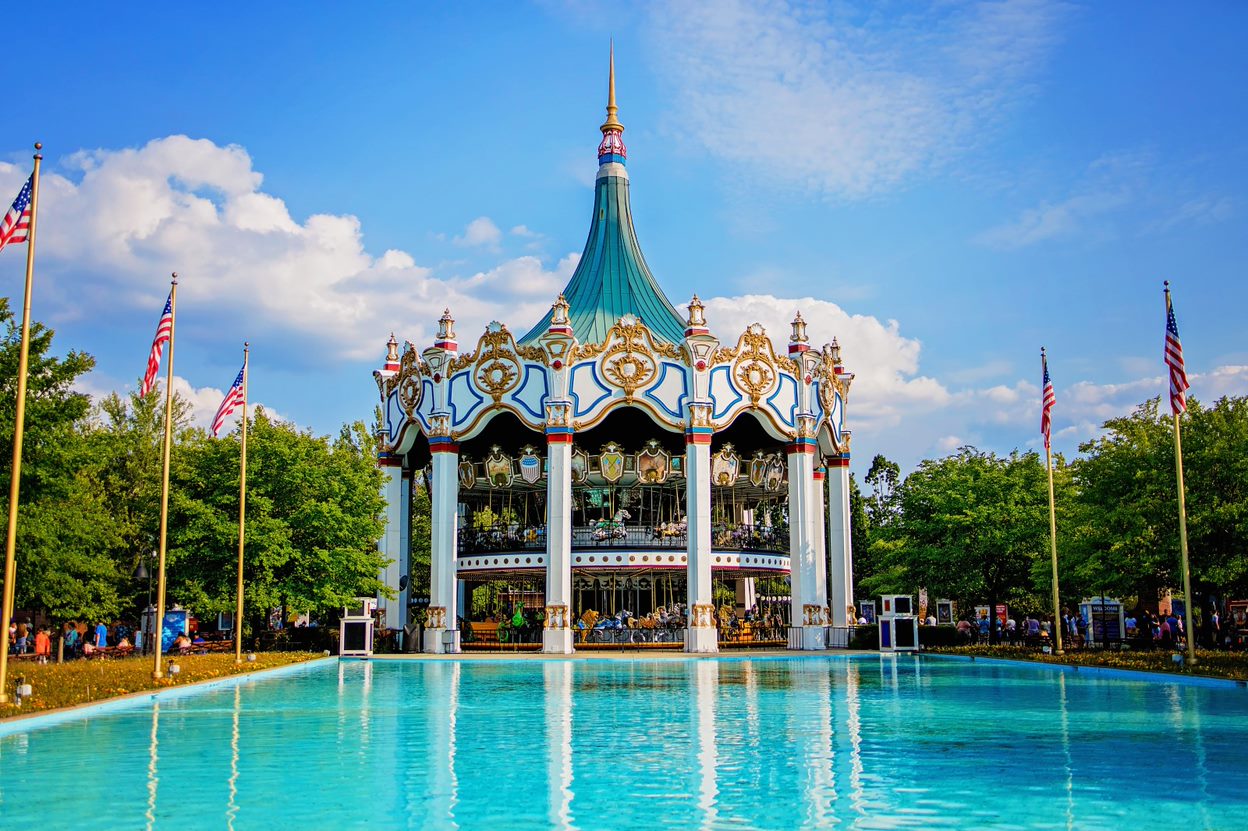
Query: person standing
(101, 635)
(43, 646)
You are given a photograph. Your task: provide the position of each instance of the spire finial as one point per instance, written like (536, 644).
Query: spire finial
(612, 123)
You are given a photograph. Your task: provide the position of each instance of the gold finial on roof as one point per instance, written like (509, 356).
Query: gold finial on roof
(612, 123)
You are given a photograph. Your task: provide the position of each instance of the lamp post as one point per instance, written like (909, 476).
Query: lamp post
(141, 572)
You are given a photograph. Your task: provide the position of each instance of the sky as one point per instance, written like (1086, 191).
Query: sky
(944, 187)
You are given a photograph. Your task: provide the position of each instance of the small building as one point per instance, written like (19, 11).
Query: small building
(619, 454)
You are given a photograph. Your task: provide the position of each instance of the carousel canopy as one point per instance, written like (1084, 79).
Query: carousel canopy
(612, 279)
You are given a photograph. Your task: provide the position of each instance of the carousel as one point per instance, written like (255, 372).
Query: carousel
(617, 472)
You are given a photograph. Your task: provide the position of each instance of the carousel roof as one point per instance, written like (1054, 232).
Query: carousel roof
(612, 279)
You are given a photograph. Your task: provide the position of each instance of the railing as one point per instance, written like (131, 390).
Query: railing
(742, 537)
(751, 632)
(606, 636)
(838, 637)
(609, 533)
(502, 537)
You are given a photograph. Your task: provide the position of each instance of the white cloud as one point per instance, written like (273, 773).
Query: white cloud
(846, 102)
(117, 222)
(480, 232)
(1046, 221)
(886, 363)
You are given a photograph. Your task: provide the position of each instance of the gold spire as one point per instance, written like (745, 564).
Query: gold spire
(612, 123)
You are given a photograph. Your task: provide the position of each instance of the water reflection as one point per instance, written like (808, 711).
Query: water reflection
(706, 689)
(231, 810)
(557, 678)
(152, 758)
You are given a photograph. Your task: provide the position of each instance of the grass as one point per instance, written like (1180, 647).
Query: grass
(82, 681)
(1209, 664)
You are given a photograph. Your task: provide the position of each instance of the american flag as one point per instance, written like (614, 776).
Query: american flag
(1174, 360)
(1049, 398)
(164, 330)
(233, 399)
(16, 223)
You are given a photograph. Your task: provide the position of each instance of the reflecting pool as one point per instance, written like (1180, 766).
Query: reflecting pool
(750, 742)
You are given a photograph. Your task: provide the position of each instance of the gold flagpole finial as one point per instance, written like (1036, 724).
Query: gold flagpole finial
(612, 123)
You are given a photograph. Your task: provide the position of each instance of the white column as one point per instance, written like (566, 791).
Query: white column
(443, 566)
(820, 538)
(840, 548)
(392, 537)
(701, 632)
(405, 547)
(557, 635)
(806, 611)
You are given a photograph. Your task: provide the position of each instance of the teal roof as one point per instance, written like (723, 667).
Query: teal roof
(612, 278)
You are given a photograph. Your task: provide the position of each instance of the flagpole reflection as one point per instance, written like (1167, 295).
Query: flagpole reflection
(1068, 762)
(232, 809)
(152, 757)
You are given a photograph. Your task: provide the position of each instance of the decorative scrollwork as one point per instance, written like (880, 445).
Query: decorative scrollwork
(408, 381)
(588, 350)
(533, 353)
(460, 362)
(498, 369)
(755, 370)
(629, 362)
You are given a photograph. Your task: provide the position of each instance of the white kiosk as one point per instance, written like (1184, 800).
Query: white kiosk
(355, 631)
(899, 627)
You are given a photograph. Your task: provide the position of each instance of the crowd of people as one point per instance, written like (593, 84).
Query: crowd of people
(79, 639)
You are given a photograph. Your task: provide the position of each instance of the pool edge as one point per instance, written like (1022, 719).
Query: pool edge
(1133, 674)
(49, 718)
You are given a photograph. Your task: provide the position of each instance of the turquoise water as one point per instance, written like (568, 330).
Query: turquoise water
(785, 742)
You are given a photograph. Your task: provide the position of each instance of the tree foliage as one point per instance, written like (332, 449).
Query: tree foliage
(90, 500)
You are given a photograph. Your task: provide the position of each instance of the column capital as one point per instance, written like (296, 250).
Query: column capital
(385, 459)
(699, 435)
(443, 444)
(559, 435)
(802, 445)
(841, 460)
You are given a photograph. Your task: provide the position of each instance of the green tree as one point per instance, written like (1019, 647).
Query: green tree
(313, 519)
(969, 527)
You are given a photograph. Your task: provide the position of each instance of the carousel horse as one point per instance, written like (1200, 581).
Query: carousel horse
(676, 528)
(611, 529)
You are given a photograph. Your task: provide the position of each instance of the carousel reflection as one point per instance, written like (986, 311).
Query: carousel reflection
(706, 687)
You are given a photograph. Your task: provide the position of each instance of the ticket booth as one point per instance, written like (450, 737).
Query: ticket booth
(355, 631)
(899, 626)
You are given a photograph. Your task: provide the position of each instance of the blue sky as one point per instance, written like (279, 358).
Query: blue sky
(943, 187)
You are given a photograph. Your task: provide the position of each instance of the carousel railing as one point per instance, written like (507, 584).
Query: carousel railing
(502, 537)
(744, 537)
(612, 534)
(752, 632)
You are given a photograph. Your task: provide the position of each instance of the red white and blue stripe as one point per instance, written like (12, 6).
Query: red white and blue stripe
(1174, 360)
(164, 330)
(235, 398)
(1048, 399)
(15, 227)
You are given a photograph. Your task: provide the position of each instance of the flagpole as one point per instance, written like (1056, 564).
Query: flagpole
(1187, 572)
(1048, 466)
(19, 425)
(157, 672)
(1178, 472)
(242, 512)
